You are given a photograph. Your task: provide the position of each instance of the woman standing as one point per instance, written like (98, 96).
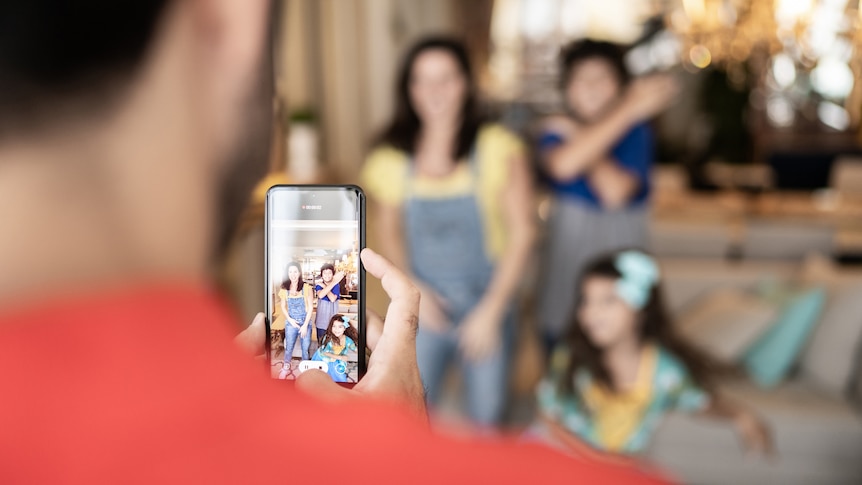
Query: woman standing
(455, 205)
(296, 304)
(597, 158)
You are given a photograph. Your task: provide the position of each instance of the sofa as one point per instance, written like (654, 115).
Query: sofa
(815, 413)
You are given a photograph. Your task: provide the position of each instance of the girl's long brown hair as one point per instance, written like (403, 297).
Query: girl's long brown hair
(656, 326)
(349, 331)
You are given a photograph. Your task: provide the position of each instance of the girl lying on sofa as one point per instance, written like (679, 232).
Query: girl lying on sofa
(622, 368)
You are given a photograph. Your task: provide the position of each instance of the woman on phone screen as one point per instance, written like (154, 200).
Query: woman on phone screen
(296, 305)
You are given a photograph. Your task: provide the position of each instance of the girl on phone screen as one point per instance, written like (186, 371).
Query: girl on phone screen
(338, 344)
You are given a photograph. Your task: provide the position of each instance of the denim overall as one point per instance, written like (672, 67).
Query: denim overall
(445, 242)
(296, 310)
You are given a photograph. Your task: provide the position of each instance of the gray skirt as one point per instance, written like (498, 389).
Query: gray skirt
(576, 234)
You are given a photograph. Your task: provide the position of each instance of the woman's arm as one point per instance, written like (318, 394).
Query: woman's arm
(482, 326)
(519, 215)
(393, 247)
(391, 235)
(309, 308)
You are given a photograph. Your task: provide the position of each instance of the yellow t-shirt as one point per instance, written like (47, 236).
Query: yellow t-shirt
(619, 414)
(384, 178)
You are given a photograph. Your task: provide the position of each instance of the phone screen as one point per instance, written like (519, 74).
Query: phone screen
(315, 282)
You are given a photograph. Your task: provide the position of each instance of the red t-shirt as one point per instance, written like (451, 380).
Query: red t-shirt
(147, 386)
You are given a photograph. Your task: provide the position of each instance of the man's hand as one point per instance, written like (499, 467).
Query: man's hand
(392, 369)
(253, 338)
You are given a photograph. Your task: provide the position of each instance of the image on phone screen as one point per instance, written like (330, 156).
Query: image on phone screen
(315, 308)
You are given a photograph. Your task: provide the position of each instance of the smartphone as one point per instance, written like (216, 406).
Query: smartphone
(315, 282)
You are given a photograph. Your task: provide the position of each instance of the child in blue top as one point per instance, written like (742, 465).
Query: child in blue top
(328, 294)
(337, 347)
(596, 157)
(623, 368)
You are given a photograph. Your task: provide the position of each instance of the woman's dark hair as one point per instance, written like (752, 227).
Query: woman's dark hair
(286, 283)
(403, 132)
(655, 327)
(331, 267)
(578, 51)
(348, 331)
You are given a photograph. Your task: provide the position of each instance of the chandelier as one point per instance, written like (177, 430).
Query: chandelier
(798, 51)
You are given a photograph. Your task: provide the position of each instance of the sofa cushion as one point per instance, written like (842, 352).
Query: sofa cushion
(773, 354)
(818, 439)
(726, 322)
(830, 357)
(686, 281)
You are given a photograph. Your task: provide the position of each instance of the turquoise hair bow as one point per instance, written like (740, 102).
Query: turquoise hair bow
(639, 275)
(346, 319)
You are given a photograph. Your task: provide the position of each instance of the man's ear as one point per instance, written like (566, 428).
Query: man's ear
(232, 42)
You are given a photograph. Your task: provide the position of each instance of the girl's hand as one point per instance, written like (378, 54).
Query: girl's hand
(755, 434)
(303, 330)
(338, 277)
(432, 315)
(480, 332)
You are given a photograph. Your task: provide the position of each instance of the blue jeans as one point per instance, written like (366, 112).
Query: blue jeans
(485, 382)
(290, 335)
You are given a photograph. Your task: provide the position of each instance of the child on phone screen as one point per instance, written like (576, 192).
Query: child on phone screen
(337, 344)
(622, 368)
(328, 296)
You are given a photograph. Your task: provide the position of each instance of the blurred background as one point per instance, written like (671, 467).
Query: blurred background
(757, 187)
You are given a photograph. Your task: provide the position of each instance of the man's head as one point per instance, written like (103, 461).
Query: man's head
(138, 112)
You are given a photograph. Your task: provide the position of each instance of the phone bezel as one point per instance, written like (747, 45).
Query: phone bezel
(362, 367)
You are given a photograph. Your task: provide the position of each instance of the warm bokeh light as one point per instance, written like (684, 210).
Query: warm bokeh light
(700, 56)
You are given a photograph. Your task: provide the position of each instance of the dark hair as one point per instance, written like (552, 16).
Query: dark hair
(348, 331)
(403, 131)
(286, 283)
(59, 57)
(578, 51)
(655, 326)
